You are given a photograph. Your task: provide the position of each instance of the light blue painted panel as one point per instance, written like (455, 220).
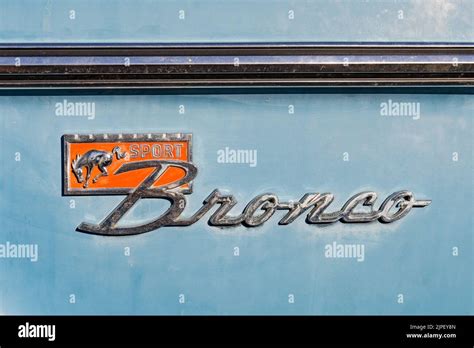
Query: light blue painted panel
(213, 21)
(297, 153)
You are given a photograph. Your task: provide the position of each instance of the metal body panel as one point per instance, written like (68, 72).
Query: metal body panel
(316, 127)
(313, 140)
(214, 21)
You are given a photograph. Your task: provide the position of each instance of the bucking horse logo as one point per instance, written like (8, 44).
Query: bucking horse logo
(95, 158)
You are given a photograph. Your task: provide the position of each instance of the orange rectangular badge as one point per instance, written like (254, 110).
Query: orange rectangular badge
(91, 161)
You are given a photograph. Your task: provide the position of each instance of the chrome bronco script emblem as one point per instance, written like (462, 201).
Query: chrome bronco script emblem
(158, 166)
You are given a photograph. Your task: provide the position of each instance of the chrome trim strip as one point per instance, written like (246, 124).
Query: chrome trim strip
(236, 65)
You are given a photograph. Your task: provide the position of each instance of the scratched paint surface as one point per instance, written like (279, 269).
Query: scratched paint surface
(301, 140)
(165, 21)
